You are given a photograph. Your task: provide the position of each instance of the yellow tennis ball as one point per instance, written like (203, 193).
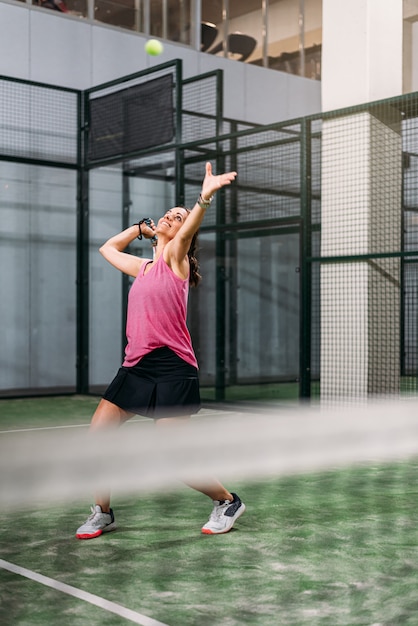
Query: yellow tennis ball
(154, 47)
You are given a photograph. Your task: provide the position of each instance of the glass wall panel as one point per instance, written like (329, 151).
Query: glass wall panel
(212, 26)
(71, 7)
(156, 18)
(237, 25)
(113, 195)
(124, 13)
(295, 37)
(293, 31)
(284, 35)
(37, 278)
(202, 315)
(105, 295)
(171, 19)
(245, 30)
(264, 333)
(260, 312)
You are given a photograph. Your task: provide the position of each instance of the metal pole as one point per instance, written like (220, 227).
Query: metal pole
(126, 221)
(225, 26)
(196, 25)
(165, 19)
(264, 31)
(220, 291)
(220, 251)
(302, 37)
(82, 249)
(90, 9)
(137, 5)
(179, 154)
(147, 17)
(183, 23)
(305, 262)
(232, 279)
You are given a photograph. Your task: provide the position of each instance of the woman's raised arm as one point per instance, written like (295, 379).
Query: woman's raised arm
(180, 245)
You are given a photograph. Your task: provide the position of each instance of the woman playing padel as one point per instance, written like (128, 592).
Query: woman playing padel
(159, 375)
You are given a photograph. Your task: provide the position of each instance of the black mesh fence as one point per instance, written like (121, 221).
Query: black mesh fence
(39, 121)
(202, 108)
(363, 270)
(137, 118)
(39, 156)
(250, 256)
(342, 196)
(309, 258)
(133, 115)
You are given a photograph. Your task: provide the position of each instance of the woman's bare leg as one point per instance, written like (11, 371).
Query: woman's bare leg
(107, 416)
(211, 487)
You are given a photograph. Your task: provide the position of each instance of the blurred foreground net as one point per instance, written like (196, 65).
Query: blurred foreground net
(57, 465)
(328, 538)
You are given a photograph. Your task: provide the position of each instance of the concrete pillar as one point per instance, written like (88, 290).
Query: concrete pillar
(361, 51)
(361, 199)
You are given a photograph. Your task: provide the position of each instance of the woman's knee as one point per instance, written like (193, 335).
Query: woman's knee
(108, 415)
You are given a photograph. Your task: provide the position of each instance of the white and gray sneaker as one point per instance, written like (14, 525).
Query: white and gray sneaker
(223, 516)
(96, 524)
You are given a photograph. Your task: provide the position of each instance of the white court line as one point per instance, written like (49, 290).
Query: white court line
(203, 413)
(112, 607)
(29, 430)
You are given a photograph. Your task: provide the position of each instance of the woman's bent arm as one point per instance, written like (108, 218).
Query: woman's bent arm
(112, 251)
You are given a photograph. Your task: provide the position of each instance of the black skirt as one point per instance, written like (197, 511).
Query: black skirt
(160, 385)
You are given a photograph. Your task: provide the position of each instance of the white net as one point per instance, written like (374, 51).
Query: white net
(59, 464)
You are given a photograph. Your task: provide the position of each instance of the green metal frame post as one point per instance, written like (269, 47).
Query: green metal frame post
(220, 251)
(305, 262)
(126, 219)
(179, 154)
(220, 296)
(232, 284)
(82, 358)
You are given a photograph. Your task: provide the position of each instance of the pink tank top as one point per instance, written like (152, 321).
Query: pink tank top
(156, 318)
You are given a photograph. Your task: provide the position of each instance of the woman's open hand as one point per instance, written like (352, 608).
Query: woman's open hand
(212, 183)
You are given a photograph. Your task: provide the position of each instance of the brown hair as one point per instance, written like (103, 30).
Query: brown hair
(194, 277)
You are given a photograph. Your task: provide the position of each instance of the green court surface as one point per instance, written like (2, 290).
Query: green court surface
(260, 393)
(46, 411)
(338, 548)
